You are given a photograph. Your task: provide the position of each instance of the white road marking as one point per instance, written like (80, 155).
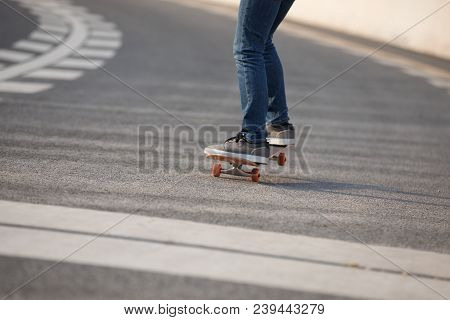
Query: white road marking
(222, 253)
(54, 28)
(74, 40)
(45, 14)
(106, 34)
(32, 46)
(56, 60)
(80, 63)
(23, 87)
(96, 53)
(56, 22)
(44, 36)
(55, 74)
(441, 83)
(14, 56)
(102, 43)
(408, 70)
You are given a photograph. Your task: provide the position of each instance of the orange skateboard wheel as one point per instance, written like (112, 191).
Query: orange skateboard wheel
(281, 159)
(216, 170)
(255, 175)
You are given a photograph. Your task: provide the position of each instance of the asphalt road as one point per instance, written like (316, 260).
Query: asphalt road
(378, 152)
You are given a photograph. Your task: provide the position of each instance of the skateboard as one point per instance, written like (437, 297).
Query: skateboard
(236, 166)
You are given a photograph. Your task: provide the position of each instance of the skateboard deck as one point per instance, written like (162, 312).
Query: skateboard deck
(276, 153)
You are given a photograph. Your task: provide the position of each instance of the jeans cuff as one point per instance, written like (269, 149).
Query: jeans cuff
(279, 120)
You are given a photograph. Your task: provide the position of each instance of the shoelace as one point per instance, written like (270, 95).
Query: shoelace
(240, 136)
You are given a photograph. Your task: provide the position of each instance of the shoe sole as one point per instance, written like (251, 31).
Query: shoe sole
(280, 141)
(238, 156)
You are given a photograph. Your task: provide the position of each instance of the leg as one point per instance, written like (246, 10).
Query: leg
(277, 105)
(255, 22)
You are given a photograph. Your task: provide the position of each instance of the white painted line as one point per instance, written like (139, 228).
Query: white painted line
(33, 46)
(440, 83)
(106, 34)
(56, 22)
(388, 63)
(97, 53)
(48, 4)
(55, 74)
(45, 14)
(216, 252)
(101, 43)
(222, 266)
(54, 28)
(23, 87)
(80, 63)
(74, 40)
(44, 36)
(411, 71)
(14, 56)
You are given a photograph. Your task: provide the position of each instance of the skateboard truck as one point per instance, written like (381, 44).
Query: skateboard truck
(237, 165)
(235, 170)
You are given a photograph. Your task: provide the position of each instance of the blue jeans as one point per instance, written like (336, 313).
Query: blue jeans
(259, 69)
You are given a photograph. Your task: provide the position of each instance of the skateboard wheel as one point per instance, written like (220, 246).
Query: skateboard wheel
(255, 175)
(281, 159)
(216, 169)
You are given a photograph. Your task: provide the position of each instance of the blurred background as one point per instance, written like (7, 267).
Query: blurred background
(380, 20)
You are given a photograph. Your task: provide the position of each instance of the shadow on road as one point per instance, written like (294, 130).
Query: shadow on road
(358, 190)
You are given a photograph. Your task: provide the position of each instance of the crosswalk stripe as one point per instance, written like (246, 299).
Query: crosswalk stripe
(96, 53)
(14, 56)
(54, 28)
(48, 4)
(43, 36)
(223, 253)
(33, 46)
(106, 34)
(113, 44)
(51, 21)
(55, 74)
(80, 63)
(23, 87)
(45, 14)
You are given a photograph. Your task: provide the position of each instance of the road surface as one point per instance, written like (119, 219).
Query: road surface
(369, 220)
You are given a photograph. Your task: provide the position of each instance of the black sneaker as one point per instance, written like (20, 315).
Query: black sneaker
(280, 134)
(238, 147)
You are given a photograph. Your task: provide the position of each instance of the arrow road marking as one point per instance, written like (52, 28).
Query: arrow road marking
(38, 57)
